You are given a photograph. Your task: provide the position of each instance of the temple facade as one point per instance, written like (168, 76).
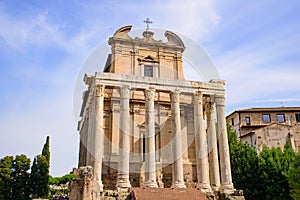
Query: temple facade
(143, 125)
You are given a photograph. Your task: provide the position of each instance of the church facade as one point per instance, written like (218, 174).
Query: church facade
(143, 125)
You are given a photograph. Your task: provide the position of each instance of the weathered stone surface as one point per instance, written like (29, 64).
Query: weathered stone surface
(237, 195)
(114, 195)
(82, 185)
(167, 194)
(252, 129)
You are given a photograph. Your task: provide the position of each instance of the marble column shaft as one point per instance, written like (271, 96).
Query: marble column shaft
(150, 163)
(212, 147)
(177, 145)
(201, 145)
(98, 140)
(226, 179)
(89, 142)
(123, 182)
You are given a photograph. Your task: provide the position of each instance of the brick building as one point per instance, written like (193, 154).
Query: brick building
(272, 127)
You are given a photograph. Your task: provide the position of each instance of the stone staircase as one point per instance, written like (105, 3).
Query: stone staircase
(167, 194)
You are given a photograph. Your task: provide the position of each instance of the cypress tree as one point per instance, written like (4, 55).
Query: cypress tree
(46, 150)
(40, 172)
(40, 177)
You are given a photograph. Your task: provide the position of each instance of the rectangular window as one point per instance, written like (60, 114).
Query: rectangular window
(248, 122)
(280, 118)
(297, 117)
(266, 118)
(232, 121)
(148, 70)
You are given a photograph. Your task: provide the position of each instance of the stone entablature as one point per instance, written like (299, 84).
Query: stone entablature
(137, 83)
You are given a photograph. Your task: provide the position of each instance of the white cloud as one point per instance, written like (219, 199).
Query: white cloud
(42, 104)
(194, 19)
(41, 31)
(25, 132)
(250, 77)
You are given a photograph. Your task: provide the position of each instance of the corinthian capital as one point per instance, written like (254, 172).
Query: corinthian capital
(198, 97)
(220, 100)
(99, 92)
(149, 94)
(125, 92)
(175, 96)
(209, 104)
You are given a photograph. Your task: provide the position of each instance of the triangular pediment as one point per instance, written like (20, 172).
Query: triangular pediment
(149, 59)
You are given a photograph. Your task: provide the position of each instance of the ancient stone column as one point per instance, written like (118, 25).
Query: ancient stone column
(150, 163)
(177, 146)
(83, 143)
(201, 145)
(212, 147)
(123, 183)
(98, 140)
(89, 135)
(226, 179)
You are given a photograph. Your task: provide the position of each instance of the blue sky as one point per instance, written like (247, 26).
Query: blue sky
(255, 46)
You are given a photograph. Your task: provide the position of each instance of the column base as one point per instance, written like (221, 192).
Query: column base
(215, 188)
(97, 186)
(178, 185)
(204, 187)
(97, 189)
(150, 184)
(227, 188)
(123, 186)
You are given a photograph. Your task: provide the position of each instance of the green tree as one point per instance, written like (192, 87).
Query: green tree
(46, 150)
(40, 177)
(61, 179)
(5, 177)
(244, 166)
(40, 172)
(289, 156)
(294, 178)
(20, 178)
(272, 174)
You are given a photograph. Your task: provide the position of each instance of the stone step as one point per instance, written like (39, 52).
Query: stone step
(167, 194)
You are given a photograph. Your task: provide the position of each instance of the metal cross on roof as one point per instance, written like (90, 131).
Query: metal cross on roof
(147, 21)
